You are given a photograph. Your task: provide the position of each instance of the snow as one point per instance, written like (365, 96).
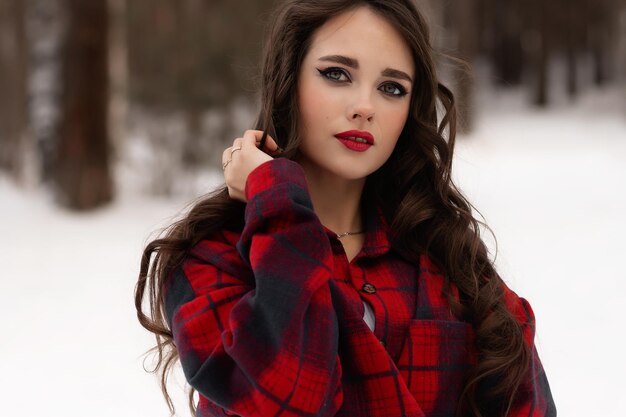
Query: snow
(551, 184)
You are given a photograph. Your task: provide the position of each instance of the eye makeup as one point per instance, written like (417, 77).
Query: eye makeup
(398, 91)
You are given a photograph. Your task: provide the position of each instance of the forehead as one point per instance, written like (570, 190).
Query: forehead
(363, 34)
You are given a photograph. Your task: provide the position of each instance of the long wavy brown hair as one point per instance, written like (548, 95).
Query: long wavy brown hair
(427, 213)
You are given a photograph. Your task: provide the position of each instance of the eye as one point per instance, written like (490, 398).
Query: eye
(334, 74)
(393, 89)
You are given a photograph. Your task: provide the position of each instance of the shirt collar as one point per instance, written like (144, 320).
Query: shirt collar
(376, 241)
(376, 228)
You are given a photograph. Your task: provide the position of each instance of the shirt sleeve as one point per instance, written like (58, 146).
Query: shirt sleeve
(535, 398)
(263, 342)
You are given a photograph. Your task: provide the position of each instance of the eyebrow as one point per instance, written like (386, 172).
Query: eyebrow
(353, 63)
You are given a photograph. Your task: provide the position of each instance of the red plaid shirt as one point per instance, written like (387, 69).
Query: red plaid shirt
(269, 321)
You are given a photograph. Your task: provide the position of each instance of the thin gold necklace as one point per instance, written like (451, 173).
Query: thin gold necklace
(339, 236)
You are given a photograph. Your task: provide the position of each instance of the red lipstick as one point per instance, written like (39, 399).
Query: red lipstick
(356, 140)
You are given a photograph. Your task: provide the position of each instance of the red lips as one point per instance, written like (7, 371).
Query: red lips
(366, 140)
(356, 133)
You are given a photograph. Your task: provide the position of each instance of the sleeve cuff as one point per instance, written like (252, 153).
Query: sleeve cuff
(272, 173)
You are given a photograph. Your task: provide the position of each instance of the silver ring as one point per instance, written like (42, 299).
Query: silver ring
(225, 163)
(232, 151)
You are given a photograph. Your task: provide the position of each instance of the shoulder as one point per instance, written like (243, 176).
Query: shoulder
(209, 270)
(218, 251)
(518, 306)
(213, 263)
(214, 247)
(521, 310)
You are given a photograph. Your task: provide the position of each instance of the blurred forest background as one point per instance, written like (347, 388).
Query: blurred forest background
(92, 91)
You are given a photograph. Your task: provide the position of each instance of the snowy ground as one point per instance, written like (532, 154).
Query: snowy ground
(552, 185)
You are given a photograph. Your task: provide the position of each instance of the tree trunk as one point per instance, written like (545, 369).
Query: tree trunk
(466, 20)
(83, 179)
(13, 120)
(574, 28)
(507, 55)
(118, 71)
(604, 38)
(539, 53)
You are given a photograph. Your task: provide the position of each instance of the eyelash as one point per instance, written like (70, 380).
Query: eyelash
(327, 71)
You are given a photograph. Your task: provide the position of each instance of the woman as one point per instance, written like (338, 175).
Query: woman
(340, 272)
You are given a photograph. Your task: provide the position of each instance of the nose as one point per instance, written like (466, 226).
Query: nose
(362, 109)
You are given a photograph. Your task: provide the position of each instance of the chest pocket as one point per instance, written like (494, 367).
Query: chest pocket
(434, 361)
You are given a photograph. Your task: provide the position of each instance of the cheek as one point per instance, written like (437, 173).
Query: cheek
(313, 104)
(394, 123)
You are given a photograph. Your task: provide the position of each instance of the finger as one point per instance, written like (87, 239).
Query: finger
(226, 159)
(237, 144)
(226, 155)
(270, 143)
(250, 138)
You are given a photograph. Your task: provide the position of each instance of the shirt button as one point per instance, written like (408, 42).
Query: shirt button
(368, 288)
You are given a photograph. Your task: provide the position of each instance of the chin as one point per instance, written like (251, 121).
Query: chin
(340, 167)
(354, 173)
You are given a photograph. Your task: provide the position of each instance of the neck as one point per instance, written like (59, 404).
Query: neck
(336, 201)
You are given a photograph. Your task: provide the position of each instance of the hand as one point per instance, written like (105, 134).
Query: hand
(242, 158)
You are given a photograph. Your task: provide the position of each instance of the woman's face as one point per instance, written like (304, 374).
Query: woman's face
(357, 76)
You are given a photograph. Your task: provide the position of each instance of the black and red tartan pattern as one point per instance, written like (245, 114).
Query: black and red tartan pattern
(269, 321)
